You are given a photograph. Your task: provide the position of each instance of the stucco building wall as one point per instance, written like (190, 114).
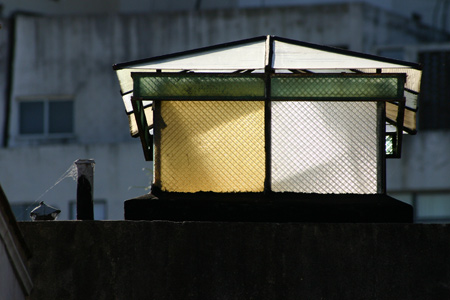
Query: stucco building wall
(71, 56)
(29, 175)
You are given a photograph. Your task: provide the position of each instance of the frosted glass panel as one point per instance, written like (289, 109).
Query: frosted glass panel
(213, 146)
(324, 147)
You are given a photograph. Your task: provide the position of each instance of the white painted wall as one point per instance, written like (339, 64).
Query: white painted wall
(425, 163)
(431, 12)
(73, 55)
(386, 4)
(134, 6)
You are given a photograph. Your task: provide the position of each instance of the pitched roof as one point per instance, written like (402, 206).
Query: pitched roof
(279, 54)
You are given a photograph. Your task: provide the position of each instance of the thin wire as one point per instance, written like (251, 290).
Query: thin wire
(70, 172)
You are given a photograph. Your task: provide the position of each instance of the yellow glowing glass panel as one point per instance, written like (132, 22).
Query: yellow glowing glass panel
(207, 146)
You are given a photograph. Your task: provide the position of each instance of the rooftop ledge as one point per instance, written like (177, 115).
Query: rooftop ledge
(272, 207)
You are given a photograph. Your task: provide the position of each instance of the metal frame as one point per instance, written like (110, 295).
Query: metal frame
(148, 141)
(260, 39)
(266, 78)
(269, 73)
(143, 128)
(137, 75)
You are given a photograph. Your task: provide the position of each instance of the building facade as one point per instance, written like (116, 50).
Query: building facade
(60, 98)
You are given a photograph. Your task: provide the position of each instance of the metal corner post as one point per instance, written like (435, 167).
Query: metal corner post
(268, 114)
(85, 189)
(381, 136)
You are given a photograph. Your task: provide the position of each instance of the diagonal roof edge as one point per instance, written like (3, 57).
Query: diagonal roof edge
(270, 39)
(269, 54)
(188, 52)
(348, 52)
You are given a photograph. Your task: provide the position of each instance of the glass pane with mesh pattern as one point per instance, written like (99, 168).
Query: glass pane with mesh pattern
(199, 86)
(324, 147)
(389, 148)
(334, 86)
(213, 146)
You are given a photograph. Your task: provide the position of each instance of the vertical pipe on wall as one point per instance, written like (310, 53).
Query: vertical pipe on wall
(85, 189)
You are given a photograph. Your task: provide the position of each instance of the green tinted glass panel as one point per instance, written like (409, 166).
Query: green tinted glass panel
(198, 86)
(389, 145)
(339, 86)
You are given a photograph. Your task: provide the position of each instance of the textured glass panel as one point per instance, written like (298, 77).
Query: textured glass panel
(210, 146)
(60, 117)
(132, 120)
(196, 87)
(409, 116)
(389, 145)
(334, 86)
(31, 117)
(324, 147)
(413, 76)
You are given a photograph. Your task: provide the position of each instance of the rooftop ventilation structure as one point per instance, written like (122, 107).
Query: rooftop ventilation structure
(270, 115)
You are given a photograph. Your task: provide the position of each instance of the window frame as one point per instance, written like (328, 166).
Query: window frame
(46, 134)
(413, 198)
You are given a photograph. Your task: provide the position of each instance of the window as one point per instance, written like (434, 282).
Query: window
(99, 210)
(46, 118)
(432, 207)
(434, 112)
(429, 207)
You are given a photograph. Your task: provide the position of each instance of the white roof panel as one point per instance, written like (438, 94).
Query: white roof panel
(293, 56)
(278, 53)
(246, 56)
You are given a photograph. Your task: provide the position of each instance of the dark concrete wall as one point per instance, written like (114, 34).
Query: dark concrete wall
(200, 260)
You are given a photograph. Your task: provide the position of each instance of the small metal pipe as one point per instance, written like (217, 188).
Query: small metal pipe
(85, 189)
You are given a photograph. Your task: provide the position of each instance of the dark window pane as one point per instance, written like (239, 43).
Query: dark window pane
(434, 103)
(60, 117)
(31, 117)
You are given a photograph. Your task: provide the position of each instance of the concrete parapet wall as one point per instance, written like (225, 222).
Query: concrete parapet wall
(201, 260)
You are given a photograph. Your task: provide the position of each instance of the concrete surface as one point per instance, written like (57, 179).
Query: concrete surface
(201, 260)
